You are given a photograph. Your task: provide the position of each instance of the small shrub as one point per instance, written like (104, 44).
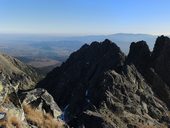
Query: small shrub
(13, 121)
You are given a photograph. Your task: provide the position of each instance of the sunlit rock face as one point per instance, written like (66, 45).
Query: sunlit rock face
(15, 73)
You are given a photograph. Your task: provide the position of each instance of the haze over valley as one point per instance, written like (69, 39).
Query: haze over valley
(44, 51)
(84, 64)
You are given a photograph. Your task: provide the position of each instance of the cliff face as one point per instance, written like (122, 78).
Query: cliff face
(99, 86)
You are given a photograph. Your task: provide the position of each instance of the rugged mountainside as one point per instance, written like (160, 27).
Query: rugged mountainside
(20, 108)
(19, 75)
(99, 86)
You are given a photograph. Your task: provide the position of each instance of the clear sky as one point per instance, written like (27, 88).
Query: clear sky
(85, 17)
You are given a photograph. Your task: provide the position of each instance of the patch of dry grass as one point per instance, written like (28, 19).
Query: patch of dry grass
(148, 126)
(14, 121)
(11, 120)
(33, 116)
(39, 119)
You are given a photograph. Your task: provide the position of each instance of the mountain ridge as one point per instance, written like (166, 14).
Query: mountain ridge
(21, 105)
(100, 86)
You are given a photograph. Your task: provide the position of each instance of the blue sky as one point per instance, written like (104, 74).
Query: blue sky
(85, 17)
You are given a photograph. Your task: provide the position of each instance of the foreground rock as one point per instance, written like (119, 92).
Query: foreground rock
(98, 86)
(42, 100)
(25, 109)
(20, 111)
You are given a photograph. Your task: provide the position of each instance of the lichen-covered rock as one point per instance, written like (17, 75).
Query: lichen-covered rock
(40, 99)
(11, 106)
(15, 77)
(14, 113)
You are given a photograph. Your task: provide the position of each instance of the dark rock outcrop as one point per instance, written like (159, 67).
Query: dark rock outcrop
(82, 69)
(161, 65)
(154, 66)
(139, 55)
(161, 58)
(99, 86)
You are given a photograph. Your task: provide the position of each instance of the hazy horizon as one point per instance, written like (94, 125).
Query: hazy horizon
(77, 35)
(84, 17)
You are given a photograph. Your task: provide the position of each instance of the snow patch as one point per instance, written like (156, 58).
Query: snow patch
(64, 114)
(87, 92)
(88, 101)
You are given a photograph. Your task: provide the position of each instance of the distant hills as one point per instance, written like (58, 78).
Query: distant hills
(122, 39)
(35, 49)
(76, 41)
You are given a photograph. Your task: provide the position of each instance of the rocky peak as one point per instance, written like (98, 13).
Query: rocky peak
(162, 45)
(154, 66)
(83, 66)
(139, 54)
(159, 76)
(161, 58)
(97, 50)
